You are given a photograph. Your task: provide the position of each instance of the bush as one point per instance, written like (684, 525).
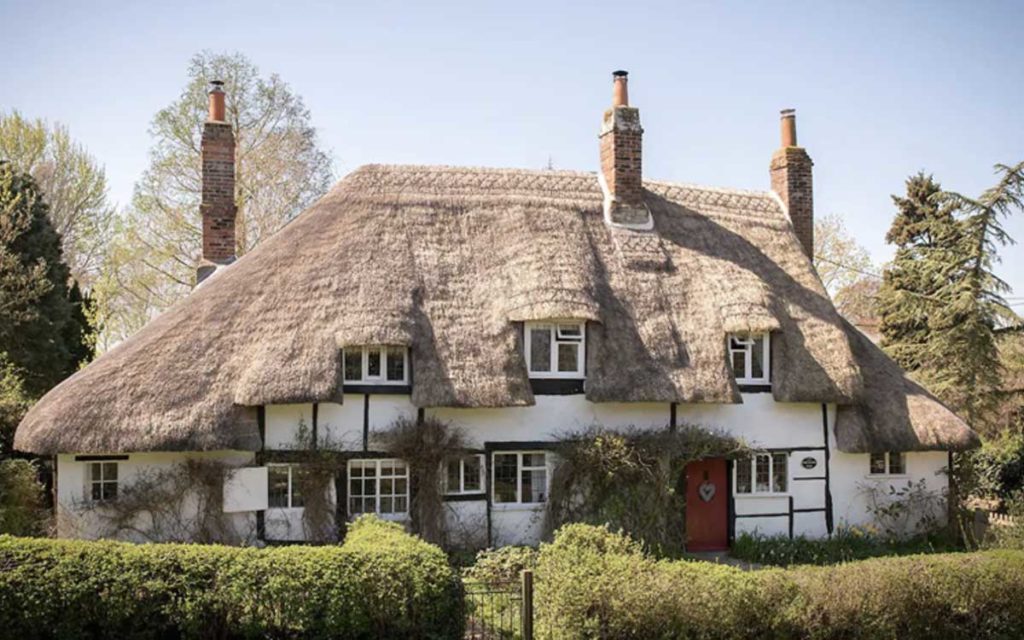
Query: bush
(845, 545)
(21, 499)
(596, 584)
(381, 583)
(496, 567)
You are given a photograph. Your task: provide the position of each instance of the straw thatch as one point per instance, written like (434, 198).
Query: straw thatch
(901, 415)
(448, 261)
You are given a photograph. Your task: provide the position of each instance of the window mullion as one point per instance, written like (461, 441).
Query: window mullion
(553, 352)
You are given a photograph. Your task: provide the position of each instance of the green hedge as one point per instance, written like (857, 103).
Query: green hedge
(595, 584)
(381, 583)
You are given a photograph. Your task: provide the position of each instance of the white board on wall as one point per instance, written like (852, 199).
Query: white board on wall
(245, 489)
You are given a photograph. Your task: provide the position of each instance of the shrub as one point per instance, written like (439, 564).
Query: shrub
(496, 567)
(593, 583)
(21, 499)
(845, 545)
(381, 583)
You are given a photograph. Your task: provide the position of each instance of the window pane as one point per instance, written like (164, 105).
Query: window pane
(471, 473)
(757, 358)
(452, 476)
(110, 471)
(387, 504)
(739, 364)
(568, 357)
(96, 470)
(540, 348)
(743, 475)
(897, 464)
(533, 459)
(877, 463)
(762, 482)
(353, 364)
(505, 472)
(297, 499)
(396, 364)
(373, 362)
(277, 487)
(97, 491)
(780, 472)
(401, 504)
(535, 485)
(570, 332)
(109, 490)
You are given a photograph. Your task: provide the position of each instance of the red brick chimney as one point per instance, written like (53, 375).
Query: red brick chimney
(792, 180)
(621, 166)
(218, 201)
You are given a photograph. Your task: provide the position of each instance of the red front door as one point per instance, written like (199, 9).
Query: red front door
(707, 506)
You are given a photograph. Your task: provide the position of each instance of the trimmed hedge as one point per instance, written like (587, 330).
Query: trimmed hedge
(592, 583)
(381, 583)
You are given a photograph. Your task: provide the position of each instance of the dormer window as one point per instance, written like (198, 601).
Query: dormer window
(376, 364)
(555, 349)
(749, 357)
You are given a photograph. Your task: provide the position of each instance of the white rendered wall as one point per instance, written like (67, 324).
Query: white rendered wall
(76, 520)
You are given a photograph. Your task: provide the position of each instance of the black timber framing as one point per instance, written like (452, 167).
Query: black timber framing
(828, 471)
(101, 458)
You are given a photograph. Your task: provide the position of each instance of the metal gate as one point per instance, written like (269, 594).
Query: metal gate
(500, 610)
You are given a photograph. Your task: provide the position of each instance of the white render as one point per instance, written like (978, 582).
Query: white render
(759, 420)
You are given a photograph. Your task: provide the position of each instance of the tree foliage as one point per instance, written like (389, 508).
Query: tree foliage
(41, 332)
(280, 170)
(846, 270)
(72, 182)
(941, 303)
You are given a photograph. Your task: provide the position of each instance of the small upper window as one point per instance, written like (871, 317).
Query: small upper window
(376, 365)
(283, 490)
(464, 474)
(892, 463)
(748, 356)
(555, 349)
(102, 481)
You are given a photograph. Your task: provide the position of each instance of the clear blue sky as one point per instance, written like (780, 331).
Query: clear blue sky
(882, 89)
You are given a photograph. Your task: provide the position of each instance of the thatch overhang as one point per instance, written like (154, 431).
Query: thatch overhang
(451, 261)
(897, 414)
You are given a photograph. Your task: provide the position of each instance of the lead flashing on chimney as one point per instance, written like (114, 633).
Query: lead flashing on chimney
(610, 203)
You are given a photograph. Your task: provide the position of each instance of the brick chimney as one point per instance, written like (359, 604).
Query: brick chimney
(621, 167)
(218, 200)
(792, 180)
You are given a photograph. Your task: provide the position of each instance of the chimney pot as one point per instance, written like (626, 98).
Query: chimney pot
(788, 124)
(216, 101)
(620, 90)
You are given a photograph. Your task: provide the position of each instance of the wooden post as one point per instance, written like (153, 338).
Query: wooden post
(527, 611)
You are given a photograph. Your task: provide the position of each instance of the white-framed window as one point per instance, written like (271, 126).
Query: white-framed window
(519, 477)
(283, 488)
(464, 474)
(890, 463)
(749, 356)
(555, 349)
(376, 364)
(762, 473)
(102, 481)
(378, 486)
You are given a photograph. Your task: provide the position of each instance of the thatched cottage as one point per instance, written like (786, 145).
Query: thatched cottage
(516, 305)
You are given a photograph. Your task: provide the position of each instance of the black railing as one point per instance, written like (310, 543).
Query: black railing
(500, 610)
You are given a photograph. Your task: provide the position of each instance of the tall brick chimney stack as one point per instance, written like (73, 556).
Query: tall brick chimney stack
(218, 200)
(621, 166)
(792, 180)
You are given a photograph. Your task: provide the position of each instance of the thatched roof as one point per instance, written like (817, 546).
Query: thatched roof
(447, 261)
(900, 415)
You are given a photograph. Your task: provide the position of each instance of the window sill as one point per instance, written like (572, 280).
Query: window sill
(464, 497)
(518, 506)
(887, 476)
(295, 510)
(556, 386)
(377, 388)
(390, 517)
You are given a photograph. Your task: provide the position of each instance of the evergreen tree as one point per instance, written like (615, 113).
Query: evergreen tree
(39, 331)
(923, 231)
